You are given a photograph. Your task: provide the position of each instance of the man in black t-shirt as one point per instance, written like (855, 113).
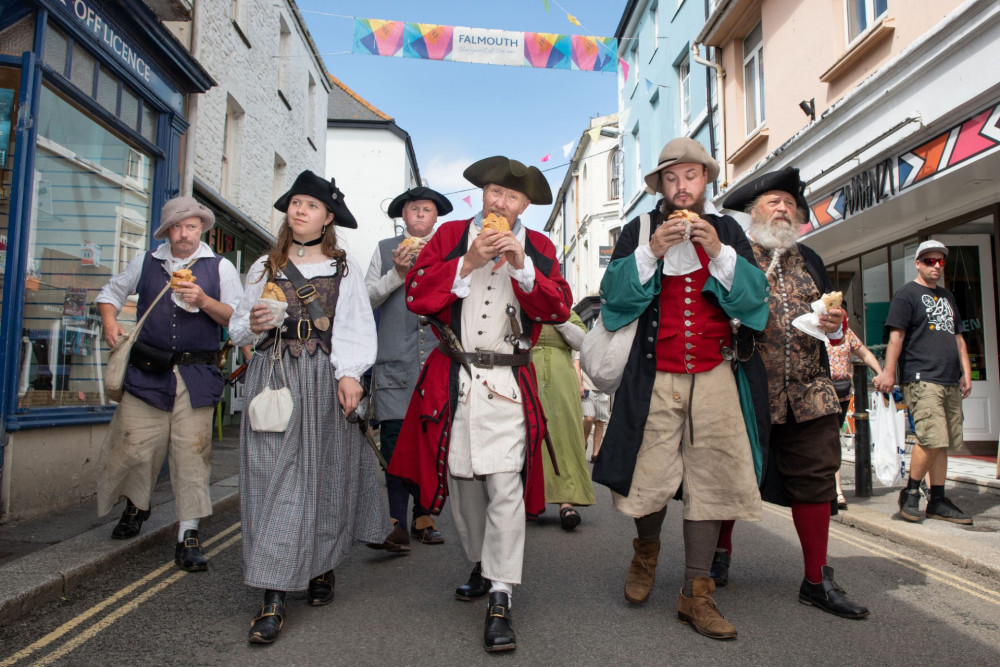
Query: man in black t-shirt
(925, 338)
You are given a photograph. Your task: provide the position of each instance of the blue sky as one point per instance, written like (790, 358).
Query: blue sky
(457, 113)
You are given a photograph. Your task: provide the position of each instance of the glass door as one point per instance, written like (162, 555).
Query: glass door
(969, 274)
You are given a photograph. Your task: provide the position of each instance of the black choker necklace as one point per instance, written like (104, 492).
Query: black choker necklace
(302, 250)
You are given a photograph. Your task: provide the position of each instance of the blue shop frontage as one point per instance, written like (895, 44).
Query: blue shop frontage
(92, 99)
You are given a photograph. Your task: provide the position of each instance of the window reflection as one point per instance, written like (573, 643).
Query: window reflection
(90, 216)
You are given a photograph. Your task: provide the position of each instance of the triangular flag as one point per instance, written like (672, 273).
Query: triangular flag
(623, 66)
(572, 19)
(567, 149)
(594, 133)
(649, 85)
(546, 3)
(468, 200)
(546, 158)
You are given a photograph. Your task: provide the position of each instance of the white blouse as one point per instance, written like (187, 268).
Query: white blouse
(354, 341)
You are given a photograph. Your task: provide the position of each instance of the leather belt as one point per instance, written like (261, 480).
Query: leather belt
(485, 358)
(193, 358)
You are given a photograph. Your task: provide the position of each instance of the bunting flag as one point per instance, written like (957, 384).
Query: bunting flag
(594, 133)
(623, 66)
(567, 149)
(649, 85)
(468, 200)
(546, 3)
(480, 45)
(572, 19)
(546, 158)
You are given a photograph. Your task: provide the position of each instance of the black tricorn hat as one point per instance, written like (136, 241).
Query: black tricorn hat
(512, 174)
(441, 202)
(786, 180)
(311, 185)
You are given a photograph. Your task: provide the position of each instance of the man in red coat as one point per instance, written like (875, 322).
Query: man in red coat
(474, 427)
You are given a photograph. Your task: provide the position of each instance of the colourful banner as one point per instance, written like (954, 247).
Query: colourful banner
(480, 45)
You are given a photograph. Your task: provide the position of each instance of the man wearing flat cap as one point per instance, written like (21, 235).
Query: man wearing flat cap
(474, 426)
(803, 445)
(926, 341)
(173, 382)
(403, 346)
(680, 427)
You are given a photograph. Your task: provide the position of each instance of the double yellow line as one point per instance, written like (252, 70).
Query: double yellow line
(106, 622)
(956, 582)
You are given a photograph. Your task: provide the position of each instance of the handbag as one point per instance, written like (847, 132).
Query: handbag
(271, 409)
(604, 353)
(888, 436)
(843, 389)
(121, 353)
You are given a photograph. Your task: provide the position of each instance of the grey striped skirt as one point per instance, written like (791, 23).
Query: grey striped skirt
(306, 494)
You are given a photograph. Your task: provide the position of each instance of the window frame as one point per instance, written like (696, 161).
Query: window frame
(684, 91)
(756, 60)
(865, 22)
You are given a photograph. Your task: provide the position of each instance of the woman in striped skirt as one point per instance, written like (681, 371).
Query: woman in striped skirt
(306, 494)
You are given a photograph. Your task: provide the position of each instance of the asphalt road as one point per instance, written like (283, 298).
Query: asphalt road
(570, 611)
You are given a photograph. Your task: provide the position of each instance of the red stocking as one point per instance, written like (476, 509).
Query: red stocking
(812, 522)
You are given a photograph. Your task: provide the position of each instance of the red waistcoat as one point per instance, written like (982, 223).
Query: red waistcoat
(692, 330)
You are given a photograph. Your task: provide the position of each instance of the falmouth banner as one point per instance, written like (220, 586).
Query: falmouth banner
(480, 45)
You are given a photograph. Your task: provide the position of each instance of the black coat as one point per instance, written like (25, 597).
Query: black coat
(616, 460)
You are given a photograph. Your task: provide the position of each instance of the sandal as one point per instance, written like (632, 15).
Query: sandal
(569, 518)
(265, 628)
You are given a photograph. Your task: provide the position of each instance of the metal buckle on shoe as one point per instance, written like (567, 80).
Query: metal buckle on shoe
(495, 614)
(190, 542)
(309, 329)
(484, 358)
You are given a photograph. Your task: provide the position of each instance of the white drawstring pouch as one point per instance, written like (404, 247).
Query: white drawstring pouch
(271, 409)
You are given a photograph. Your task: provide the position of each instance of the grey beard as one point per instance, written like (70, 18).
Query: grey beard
(773, 238)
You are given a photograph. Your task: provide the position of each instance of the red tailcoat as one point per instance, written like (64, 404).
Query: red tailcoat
(421, 453)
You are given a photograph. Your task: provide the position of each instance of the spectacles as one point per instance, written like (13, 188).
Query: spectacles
(932, 261)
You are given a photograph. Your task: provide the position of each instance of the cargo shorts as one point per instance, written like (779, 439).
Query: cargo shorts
(937, 414)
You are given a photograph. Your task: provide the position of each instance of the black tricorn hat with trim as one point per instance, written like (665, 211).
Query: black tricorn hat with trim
(441, 202)
(786, 180)
(311, 185)
(503, 171)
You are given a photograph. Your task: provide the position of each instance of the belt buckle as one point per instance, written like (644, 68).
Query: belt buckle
(184, 358)
(728, 353)
(484, 358)
(298, 329)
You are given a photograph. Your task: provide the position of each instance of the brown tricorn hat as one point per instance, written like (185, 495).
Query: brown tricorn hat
(512, 174)
(680, 151)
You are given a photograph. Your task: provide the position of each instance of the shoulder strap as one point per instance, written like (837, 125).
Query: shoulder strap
(307, 293)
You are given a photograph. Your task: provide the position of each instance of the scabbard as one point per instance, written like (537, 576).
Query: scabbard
(366, 431)
(552, 453)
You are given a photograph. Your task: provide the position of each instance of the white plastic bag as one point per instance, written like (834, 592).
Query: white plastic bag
(888, 439)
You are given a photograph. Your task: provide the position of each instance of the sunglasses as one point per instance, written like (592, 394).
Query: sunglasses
(932, 261)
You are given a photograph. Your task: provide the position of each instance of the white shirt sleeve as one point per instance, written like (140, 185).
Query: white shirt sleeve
(239, 323)
(525, 277)
(355, 340)
(645, 263)
(124, 284)
(723, 267)
(230, 289)
(462, 286)
(380, 287)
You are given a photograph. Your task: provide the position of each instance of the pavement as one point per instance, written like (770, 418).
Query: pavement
(46, 558)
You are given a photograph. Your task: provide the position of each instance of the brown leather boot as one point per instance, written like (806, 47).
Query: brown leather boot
(642, 571)
(700, 611)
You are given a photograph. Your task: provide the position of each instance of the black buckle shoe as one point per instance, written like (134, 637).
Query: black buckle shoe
(499, 632)
(321, 589)
(476, 587)
(720, 567)
(187, 554)
(131, 522)
(830, 597)
(265, 628)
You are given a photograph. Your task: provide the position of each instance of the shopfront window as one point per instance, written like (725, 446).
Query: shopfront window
(10, 84)
(877, 295)
(963, 276)
(90, 215)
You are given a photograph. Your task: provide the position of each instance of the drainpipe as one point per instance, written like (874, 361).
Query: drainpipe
(187, 171)
(576, 233)
(720, 74)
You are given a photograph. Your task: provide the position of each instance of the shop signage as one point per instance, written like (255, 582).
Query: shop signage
(972, 138)
(120, 49)
(605, 255)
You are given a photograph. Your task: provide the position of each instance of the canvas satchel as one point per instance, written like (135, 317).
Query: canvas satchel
(271, 409)
(604, 353)
(121, 353)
